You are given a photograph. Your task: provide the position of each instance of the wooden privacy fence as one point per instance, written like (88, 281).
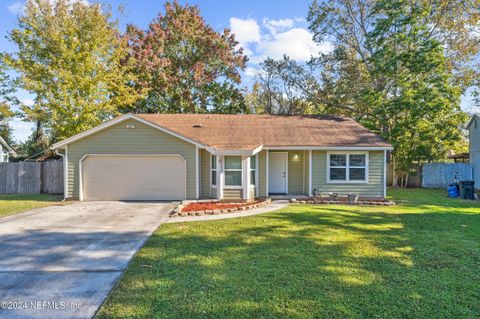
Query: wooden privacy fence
(440, 175)
(31, 177)
(415, 180)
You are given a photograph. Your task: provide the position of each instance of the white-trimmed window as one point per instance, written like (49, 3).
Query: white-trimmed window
(347, 167)
(233, 171)
(213, 170)
(253, 170)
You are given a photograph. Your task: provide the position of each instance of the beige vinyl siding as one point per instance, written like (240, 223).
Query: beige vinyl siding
(213, 191)
(374, 187)
(204, 173)
(251, 193)
(475, 136)
(262, 174)
(119, 139)
(474, 150)
(295, 172)
(232, 194)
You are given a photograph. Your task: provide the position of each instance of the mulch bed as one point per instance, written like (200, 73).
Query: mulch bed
(193, 207)
(215, 207)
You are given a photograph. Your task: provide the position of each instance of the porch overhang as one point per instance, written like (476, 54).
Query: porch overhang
(234, 152)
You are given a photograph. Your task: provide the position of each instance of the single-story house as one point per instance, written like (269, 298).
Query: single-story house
(473, 127)
(5, 151)
(227, 157)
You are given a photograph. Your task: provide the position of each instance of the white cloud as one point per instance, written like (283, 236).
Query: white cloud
(297, 43)
(251, 72)
(245, 30)
(27, 102)
(278, 25)
(16, 7)
(275, 38)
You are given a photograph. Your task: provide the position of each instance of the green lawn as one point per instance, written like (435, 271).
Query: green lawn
(15, 203)
(420, 259)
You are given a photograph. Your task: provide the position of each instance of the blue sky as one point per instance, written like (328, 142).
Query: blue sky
(265, 28)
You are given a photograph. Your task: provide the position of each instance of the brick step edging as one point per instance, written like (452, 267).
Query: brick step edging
(177, 211)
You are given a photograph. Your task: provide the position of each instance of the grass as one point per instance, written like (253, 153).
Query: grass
(14, 203)
(420, 259)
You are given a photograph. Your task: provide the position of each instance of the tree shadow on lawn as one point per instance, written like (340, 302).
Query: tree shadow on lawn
(308, 261)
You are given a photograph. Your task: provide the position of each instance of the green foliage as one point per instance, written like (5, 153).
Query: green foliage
(422, 102)
(415, 260)
(185, 66)
(6, 89)
(69, 56)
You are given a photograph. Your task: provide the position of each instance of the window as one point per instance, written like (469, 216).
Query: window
(347, 167)
(213, 170)
(253, 169)
(233, 171)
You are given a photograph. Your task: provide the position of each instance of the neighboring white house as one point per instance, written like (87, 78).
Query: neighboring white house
(473, 127)
(5, 151)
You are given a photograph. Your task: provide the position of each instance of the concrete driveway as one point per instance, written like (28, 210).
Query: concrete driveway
(62, 261)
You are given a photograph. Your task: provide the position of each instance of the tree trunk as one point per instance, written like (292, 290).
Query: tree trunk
(394, 173)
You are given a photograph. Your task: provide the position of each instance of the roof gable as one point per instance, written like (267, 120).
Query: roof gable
(116, 121)
(474, 116)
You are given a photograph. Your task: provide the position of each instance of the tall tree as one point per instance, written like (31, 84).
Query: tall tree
(399, 67)
(285, 87)
(185, 65)
(72, 58)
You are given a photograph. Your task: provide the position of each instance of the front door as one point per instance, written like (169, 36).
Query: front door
(277, 172)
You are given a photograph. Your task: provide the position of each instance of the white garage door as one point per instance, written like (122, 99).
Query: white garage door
(115, 177)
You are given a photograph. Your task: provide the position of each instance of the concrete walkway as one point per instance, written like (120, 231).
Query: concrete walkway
(62, 261)
(275, 205)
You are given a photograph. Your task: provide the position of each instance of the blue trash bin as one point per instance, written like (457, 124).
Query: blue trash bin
(452, 191)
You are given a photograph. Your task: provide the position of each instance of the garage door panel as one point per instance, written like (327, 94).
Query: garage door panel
(133, 178)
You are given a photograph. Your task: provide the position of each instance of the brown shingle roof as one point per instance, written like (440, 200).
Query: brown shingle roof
(247, 132)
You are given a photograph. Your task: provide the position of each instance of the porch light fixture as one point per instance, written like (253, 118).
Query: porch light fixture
(295, 156)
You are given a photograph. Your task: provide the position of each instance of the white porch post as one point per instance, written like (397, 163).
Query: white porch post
(197, 174)
(385, 173)
(266, 174)
(220, 177)
(257, 173)
(245, 177)
(310, 173)
(65, 173)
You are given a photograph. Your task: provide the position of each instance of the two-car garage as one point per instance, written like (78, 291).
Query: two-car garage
(133, 177)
